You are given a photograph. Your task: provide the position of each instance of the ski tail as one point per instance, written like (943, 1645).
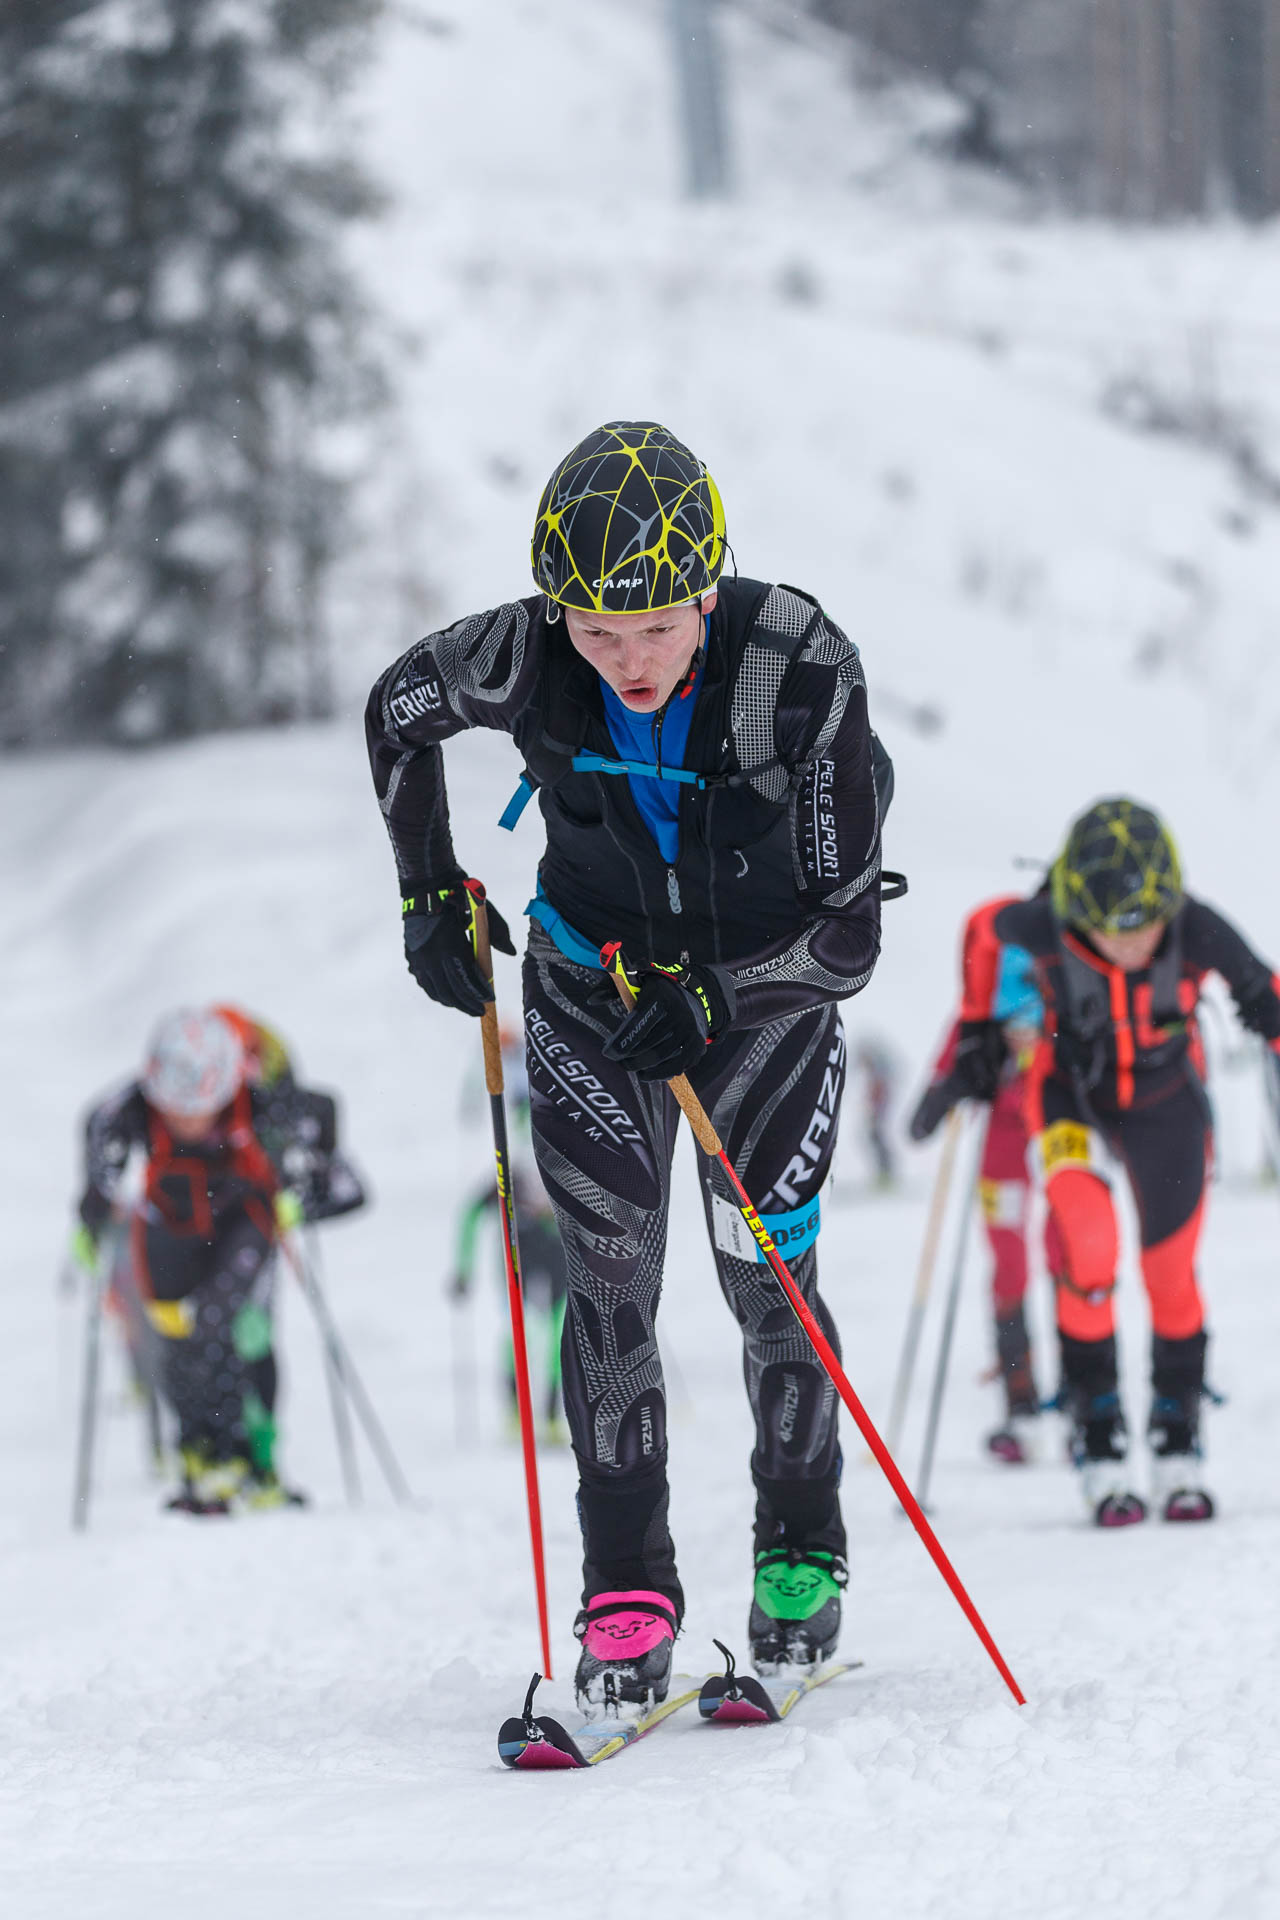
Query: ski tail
(537, 1743)
(732, 1699)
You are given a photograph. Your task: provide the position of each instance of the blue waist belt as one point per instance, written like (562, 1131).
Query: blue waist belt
(572, 944)
(598, 763)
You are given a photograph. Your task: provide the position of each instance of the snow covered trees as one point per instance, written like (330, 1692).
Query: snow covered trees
(178, 335)
(1142, 109)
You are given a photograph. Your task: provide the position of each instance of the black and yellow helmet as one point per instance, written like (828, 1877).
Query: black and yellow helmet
(630, 522)
(1118, 871)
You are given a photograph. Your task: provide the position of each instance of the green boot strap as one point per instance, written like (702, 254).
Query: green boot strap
(251, 1332)
(260, 1429)
(794, 1585)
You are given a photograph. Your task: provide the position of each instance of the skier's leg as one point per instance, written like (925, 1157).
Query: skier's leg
(1004, 1189)
(253, 1332)
(603, 1143)
(1166, 1150)
(774, 1098)
(199, 1285)
(1084, 1220)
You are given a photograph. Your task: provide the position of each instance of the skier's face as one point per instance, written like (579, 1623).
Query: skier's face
(1131, 952)
(642, 656)
(190, 1128)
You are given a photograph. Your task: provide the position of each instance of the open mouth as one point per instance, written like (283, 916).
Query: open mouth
(639, 696)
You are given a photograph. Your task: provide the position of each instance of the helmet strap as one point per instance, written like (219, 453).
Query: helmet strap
(685, 686)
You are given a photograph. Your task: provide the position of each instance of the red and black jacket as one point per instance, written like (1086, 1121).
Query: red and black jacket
(1143, 1023)
(267, 1137)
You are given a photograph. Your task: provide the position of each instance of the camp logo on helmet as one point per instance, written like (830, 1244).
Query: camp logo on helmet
(619, 584)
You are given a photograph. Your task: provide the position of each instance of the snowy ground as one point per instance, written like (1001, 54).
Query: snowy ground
(901, 403)
(301, 1710)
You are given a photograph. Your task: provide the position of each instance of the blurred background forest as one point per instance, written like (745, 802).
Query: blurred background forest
(195, 378)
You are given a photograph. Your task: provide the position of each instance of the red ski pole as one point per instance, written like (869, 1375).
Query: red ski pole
(511, 1254)
(709, 1140)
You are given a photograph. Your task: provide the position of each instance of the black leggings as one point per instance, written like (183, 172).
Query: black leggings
(604, 1142)
(201, 1374)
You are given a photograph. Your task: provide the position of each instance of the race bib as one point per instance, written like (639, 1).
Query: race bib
(1067, 1144)
(791, 1232)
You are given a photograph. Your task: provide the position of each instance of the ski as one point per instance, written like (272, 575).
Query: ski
(530, 1743)
(188, 1502)
(731, 1699)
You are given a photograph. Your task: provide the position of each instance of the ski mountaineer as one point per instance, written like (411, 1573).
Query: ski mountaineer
(1120, 953)
(1004, 1182)
(228, 1164)
(708, 780)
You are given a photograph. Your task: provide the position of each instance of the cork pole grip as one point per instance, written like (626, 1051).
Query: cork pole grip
(489, 1018)
(690, 1105)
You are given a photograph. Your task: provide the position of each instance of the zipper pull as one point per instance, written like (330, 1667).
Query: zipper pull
(674, 901)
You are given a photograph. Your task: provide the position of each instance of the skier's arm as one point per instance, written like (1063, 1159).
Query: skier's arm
(942, 1092)
(113, 1128)
(1210, 944)
(478, 673)
(987, 931)
(835, 827)
(298, 1127)
(991, 929)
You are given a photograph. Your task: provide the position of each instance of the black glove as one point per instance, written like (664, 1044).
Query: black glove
(980, 1054)
(679, 1011)
(1079, 1056)
(1260, 1013)
(935, 1104)
(437, 945)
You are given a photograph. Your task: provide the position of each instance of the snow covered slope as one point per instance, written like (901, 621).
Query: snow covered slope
(300, 1711)
(901, 403)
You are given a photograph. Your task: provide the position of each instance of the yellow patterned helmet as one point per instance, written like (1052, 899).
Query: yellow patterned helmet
(1118, 871)
(630, 522)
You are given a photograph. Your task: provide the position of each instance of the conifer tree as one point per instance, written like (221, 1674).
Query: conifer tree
(179, 335)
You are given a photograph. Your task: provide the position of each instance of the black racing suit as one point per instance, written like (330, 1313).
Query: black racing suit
(777, 881)
(201, 1243)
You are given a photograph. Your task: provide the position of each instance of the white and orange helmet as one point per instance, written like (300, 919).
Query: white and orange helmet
(195, 1063)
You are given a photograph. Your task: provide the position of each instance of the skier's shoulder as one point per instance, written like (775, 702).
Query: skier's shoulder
(478, 658)
(1209, 942)
(308, 1113)
(790, 620)
(1197, 922)
(1018, 921)
(121, 1110)
(796, 664)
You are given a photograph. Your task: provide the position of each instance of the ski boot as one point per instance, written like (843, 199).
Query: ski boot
(1016, 1442)
(263, 1492)
(1173, 1430)
(625, 1664)
(1177, 1465)
(209, 1487)
(795, 1608)
(1099, 1453)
